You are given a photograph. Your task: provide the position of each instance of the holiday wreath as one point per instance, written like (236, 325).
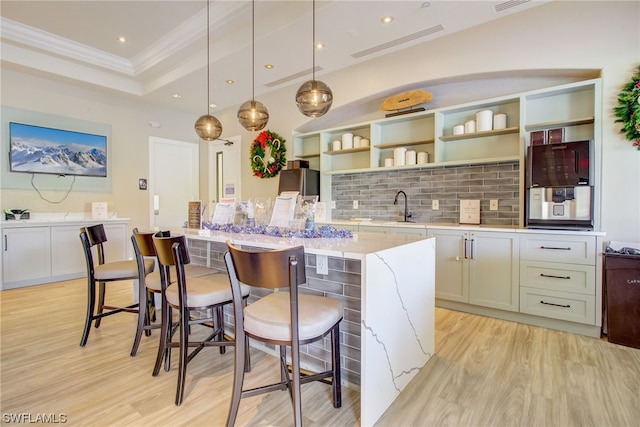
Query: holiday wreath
(628, 110)
(268, 154)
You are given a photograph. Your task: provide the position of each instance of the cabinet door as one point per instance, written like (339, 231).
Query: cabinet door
(451, 266)
(494, 270)
(67, 254)
(118, 243)
(26, 255)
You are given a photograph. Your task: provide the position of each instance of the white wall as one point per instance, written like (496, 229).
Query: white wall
(560, 35)
(129, 143)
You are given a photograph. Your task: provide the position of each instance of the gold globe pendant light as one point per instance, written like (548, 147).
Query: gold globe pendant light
(253, 115)
(208, 127)
(314, 98)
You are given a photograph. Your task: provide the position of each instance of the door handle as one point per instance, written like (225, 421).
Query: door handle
(471, 245)
(465, 248)
(555, 248)
(555, 277)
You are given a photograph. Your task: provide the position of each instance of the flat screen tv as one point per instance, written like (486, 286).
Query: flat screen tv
(36, 149)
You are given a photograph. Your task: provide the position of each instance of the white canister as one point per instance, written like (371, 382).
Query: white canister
(470, 126)
(364, 142)
(458, 129)
(337, 145)
(388, 162)
(357, 141)
(484, 120)
(347, 141)
(423, 157)
(399, 156)
(410, 157)
(500, 121)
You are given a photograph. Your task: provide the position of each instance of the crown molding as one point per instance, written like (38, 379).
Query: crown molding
(55, 45)
(69, 70)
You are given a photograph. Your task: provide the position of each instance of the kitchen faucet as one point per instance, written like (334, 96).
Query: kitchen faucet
(407, 214)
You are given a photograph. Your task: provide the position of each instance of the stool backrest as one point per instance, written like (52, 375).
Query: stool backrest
(269, 269)
(143, 243)
(93, 236)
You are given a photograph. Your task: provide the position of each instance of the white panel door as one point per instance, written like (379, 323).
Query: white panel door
(173, 173)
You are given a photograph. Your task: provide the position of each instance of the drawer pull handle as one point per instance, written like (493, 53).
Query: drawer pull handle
(557, 305)
(555, 277)
(554, 248)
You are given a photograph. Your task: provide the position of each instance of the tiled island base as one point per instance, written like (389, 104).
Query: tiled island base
(387, 290)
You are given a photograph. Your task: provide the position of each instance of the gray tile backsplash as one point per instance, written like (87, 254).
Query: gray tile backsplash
(375, 192)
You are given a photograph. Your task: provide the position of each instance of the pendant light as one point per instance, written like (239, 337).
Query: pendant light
(314, 97)
(253, 115)
(208, 127)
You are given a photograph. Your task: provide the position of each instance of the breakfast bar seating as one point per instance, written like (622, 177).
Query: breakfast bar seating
(102, 273)
(203, 294)
(287, 318)
(150, 284)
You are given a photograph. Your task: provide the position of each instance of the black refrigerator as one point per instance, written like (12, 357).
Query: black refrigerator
(306, 181)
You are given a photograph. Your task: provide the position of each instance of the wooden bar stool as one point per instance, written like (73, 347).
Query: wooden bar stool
(103, 273)
(287, 319)
(204, 294)
(151, 284)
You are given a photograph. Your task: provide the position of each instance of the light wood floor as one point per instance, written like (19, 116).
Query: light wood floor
(486, 372)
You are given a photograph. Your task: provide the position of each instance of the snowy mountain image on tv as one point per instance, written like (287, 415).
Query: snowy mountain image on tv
(36, 149)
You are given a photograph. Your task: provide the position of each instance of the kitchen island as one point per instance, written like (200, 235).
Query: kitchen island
(387, 288)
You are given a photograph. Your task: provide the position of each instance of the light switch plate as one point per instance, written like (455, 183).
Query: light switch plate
(355, 204)
(493, 205)
(435, 205)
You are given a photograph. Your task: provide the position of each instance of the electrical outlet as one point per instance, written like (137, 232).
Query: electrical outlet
(493, 205)
(322, 264)
(355, 204)
(333, 204)
(435, 205)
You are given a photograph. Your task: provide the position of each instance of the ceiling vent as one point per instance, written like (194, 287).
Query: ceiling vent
(399, 41)
(293, 76)
(501, 7)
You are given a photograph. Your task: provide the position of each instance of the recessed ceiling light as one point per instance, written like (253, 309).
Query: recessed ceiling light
(176, 95)
(425, 4)
(122, 39)
(212, 105)
(319, 45)
(386, 19)
(230, 82)
(268, 66)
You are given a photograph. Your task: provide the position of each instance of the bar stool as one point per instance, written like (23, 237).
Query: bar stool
(204, 293)
(285, 319)
(102, 273)
(150, 284)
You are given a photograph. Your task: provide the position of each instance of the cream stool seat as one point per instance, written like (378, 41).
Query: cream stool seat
(286, 318)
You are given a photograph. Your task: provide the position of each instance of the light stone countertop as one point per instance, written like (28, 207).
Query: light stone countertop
(356, 247)
(468, 227)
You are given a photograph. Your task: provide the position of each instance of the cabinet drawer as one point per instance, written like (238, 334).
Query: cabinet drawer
(558, 305)
(559, 248)
(558, 277)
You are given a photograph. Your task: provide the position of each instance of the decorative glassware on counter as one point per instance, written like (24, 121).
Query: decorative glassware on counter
(308, 209)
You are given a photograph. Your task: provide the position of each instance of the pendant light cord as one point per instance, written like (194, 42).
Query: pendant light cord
(253, 50)
(208, 61)
(313, 26)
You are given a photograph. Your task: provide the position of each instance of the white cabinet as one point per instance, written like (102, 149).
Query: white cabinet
(67, 258)
(43, 252)
(558, 277)
(26, 254)
(477, 267)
